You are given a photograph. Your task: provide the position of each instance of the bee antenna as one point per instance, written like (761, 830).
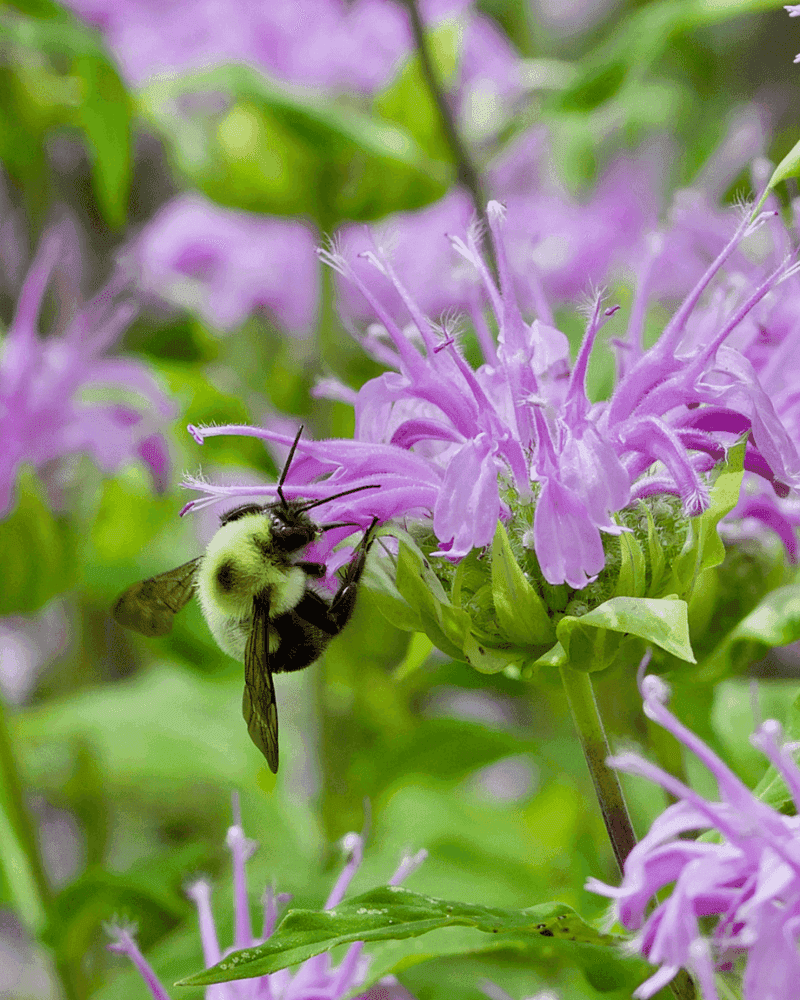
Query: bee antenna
(338, 524)
(344, 493)
(292, 450)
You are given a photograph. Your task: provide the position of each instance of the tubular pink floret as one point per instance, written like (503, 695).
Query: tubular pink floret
(200, 893)
(353, 844)
(512, 325)
(200, 433)
(242, 850)
(546, 458)
(124, 944)
(670, 338)
(346, 972)
(408, 866)
(576, 403)
(472, 254)
(766, 286)
(768, 739)
(421, 321)
(23, 326)
(655, 365)
(653, 437)
(411, 358)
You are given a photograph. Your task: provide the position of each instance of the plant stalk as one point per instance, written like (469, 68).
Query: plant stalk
(467, 172)
(586, 715)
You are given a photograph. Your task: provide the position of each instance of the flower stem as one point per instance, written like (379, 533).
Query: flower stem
(582, 703)
(467, 172)
(580, 693)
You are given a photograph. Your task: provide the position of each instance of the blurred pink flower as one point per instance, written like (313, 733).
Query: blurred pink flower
(225, 264)
(338, 45)
(62, 394)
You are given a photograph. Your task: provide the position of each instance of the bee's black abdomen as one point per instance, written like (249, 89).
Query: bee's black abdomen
(304, 632)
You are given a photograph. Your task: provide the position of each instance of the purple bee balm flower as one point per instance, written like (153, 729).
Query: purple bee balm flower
(460, 445)
(315, 979)
(225, 264)
(63, 395)
(747, 880)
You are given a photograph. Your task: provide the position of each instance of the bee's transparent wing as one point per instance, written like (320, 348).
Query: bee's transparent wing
(150, 605)
(258, 703)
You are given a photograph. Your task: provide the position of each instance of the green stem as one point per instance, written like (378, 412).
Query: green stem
(21, 856)
(582, 703)
(580, 693)
(467, 172)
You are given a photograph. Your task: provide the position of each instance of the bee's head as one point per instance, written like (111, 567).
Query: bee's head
(291, 527)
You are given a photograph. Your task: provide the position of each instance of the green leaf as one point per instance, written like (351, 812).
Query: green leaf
(591, 642)
(390, 602)
(623, 58)
(419, 649)
(251, 142)
(521, 613)
(704, 548)
(103, 116)
(788, 167)
(393, 957)
(36, 552)
(141, 740)
(655, 551)
(447, 749)
(632, 568)
(393, 913)
(17, 868)
(489, 659)
(774, 622)
(97, 896)
(445, 625)
(407, 101)
(56, 74)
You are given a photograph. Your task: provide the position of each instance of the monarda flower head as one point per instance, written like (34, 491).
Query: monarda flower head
(315, 979)
(63, 394)
(458, 448)
(735, 898)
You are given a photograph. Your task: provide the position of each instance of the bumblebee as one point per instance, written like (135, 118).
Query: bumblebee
(258, 598)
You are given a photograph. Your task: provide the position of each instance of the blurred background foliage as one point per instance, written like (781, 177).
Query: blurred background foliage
(129, 749)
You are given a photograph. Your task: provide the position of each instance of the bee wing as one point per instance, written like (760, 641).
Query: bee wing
(150, 605)
(259, 707)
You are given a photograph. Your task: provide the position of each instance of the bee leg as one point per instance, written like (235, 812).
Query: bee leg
(344, 600)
